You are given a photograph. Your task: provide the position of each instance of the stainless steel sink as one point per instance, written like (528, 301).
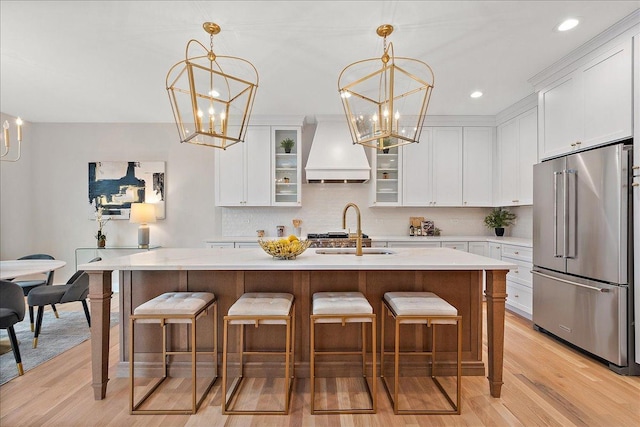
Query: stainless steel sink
(352, 251)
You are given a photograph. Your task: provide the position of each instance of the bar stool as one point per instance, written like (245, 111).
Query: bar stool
(420, 308)
(260, 308)
(344, 307)
(174, 307)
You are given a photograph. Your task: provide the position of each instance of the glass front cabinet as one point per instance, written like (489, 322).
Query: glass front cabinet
(287, 172)
(386, 184)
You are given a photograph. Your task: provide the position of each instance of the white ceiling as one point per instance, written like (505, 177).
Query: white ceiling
(106, 61)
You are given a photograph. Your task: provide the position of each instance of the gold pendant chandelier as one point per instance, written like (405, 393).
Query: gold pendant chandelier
(385, 99)
(212, 96)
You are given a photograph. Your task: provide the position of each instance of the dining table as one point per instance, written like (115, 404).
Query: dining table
(10, 269)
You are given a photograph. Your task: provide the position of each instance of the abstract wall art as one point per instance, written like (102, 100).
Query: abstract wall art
(113, 186)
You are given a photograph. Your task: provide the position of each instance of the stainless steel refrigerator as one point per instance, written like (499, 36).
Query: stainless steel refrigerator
(582, 248)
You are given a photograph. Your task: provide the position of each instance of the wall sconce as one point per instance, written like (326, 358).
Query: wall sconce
(143, 214)
(7, 141)
(385, 99)
(212, 95)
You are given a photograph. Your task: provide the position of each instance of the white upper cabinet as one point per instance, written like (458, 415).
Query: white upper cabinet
(243, 171)
(517, 153)
(590, 106)
(477, 166)
(416, 171)
(432, 169)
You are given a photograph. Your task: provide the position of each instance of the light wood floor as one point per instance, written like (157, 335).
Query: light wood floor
(546, 384)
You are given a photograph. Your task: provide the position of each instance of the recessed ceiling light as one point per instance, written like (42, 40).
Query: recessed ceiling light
(476, 94)
(568, 24)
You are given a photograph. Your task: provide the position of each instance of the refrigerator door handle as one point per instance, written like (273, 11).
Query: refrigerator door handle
(556, 174)
(571, 234)
(569, 282)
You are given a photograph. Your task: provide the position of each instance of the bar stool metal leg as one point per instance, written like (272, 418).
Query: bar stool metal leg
(256, 309)
(181, 311)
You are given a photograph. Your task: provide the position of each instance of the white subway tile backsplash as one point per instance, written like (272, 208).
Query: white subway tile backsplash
(322, 206)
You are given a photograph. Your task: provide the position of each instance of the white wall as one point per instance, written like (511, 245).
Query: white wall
(44, 196)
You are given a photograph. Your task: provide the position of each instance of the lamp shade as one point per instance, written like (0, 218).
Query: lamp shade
(142, 213)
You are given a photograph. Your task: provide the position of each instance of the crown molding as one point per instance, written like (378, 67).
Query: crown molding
(623, 29)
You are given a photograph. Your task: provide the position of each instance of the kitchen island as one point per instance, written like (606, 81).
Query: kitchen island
(454, 275)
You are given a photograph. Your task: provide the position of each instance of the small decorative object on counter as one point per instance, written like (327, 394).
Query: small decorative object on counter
(436, 231)
(100, 236)
(498, 219)
(280, 230)
(296, 226)
(287, 144)
(285, 248)
(418, 231)
(428, 228)
(416, 223)
(260, 233)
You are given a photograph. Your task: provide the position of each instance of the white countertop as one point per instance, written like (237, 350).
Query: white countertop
(257, 259)
(518, 241)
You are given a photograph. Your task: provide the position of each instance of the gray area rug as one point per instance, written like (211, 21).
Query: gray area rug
(56, 337)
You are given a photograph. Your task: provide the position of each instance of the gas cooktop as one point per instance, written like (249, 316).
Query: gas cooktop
(336, 240)
(332, 235)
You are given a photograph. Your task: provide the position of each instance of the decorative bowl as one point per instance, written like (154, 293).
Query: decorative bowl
(284, 248)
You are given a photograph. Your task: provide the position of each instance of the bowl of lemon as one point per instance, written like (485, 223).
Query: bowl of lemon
(284, 248)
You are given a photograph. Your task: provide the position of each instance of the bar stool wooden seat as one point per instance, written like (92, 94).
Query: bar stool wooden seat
(344, 307)
(174, 308)
(420, 308)
(259, 308)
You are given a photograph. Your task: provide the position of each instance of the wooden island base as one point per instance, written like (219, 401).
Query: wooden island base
(461, 288)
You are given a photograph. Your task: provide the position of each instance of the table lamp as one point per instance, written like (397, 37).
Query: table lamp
(143, 214)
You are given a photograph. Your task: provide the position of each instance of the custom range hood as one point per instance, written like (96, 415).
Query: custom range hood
(333, 157)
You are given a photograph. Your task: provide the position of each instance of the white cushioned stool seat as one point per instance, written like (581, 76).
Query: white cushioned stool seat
(261, 304)
(345, 303)
(174, 304)
(420, 304)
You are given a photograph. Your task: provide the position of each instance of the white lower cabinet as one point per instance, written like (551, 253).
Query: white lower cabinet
(479, 248)
(218, 245)
(416, 244)
(230, 245)
(519, 281)
(460, 246)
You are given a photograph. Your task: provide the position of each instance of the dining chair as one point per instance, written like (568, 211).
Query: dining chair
(76, 289)
(28, 285)
(12, 312)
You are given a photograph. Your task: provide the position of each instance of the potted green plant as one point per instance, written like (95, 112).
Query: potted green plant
(287, 144)
(498, 219)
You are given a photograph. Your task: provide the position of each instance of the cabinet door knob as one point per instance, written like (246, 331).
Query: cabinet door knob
(516, 252)
(635, 184)
(515, 201)
(573, 145)
(578, 142)
(635, 167)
